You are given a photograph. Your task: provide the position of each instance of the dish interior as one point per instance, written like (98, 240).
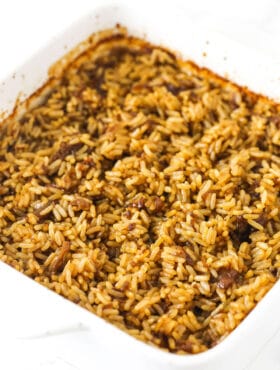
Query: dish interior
(145, 189)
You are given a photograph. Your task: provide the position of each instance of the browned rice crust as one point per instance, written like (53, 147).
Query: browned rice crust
(147, 191)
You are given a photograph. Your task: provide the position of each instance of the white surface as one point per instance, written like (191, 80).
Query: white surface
(26, 25)
(51, 333)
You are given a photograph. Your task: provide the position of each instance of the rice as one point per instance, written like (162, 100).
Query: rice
(146, 190)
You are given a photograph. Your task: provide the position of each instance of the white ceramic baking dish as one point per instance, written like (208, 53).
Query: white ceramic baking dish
(29, 312)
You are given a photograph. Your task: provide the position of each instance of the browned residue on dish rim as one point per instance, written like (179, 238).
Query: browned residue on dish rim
(95, 40)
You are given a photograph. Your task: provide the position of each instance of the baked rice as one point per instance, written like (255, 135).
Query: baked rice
(146, 190)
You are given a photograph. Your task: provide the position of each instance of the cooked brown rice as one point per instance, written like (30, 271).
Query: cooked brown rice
(146, 190)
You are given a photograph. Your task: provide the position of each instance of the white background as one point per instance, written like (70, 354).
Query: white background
(24, 27)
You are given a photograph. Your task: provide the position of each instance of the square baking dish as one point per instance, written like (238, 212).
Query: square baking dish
(110, 347)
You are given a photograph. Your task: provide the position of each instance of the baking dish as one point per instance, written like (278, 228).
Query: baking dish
(212, 51)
